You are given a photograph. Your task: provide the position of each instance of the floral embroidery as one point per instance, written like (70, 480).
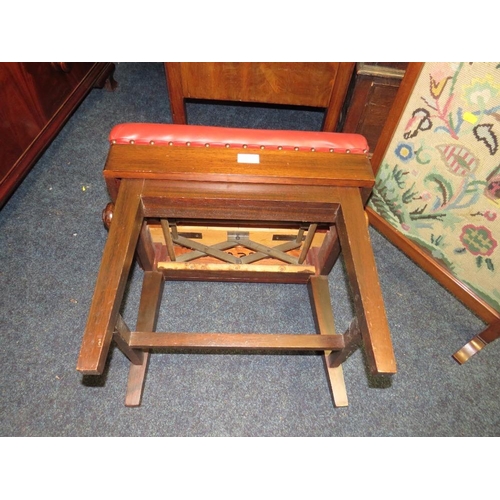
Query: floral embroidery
(404, 151)
(439, 182)
(492, 190)
(488, 215)
(437, 88)
(439, 77)
(419, 122)
(458, 160)
(478, 240)
(484, 133)
(481, 91)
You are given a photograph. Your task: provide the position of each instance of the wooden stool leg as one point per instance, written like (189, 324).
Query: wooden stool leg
(362, 272)
(491, 333)
(152, 288)
(323, 315)
(111, 280)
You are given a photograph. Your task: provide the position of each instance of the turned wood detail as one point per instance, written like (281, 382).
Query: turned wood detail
(107, 215)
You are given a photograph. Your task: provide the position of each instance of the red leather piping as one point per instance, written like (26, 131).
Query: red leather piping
(204, 136)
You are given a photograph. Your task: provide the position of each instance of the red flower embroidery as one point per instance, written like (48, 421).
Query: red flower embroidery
(478, 240)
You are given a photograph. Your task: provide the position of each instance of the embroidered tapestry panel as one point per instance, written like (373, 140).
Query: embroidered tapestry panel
(439, 182)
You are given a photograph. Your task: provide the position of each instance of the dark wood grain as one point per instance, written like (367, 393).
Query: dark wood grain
(122, 339)
(255, 341)
(374, 88)
(149, 306)
(319, 84)
(112, 278)
(327, 255)
(173, 74)
(36, 100)
(363, 278)
(337, 96)
(319, 294)
(221, 165)
(404, 92)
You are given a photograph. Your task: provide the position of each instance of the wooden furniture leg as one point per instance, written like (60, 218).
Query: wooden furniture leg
(325, 325)
(152, 289)
(174, 84)
(491, 333)
(362, 272)
(111, 280)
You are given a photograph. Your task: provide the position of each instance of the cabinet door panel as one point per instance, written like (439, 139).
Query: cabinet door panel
(36, 99)
(373, 91)
(52, 83)
(20, 117)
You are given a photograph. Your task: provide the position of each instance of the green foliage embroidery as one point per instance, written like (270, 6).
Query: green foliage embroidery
(436, 241)
(409, 195)
(398, 175)
(385, 198)
(444, 187)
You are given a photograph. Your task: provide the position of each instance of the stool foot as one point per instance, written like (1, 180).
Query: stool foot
(337, 384)
(135, 385)
(152, 289)
(322, 309)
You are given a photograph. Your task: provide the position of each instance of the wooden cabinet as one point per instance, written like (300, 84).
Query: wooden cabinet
(36, 99)
(370, 97)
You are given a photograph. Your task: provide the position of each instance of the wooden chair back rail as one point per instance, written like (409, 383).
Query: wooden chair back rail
(322, 85)
(324, 204)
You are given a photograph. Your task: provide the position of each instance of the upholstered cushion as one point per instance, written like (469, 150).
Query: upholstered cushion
(204, 136)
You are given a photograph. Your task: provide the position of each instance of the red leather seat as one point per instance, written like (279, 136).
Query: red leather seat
(204, 136)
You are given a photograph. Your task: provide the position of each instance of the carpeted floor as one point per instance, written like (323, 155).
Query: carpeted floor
(51, 241)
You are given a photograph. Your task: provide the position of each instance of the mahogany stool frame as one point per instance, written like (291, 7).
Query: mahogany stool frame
(151, 186)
